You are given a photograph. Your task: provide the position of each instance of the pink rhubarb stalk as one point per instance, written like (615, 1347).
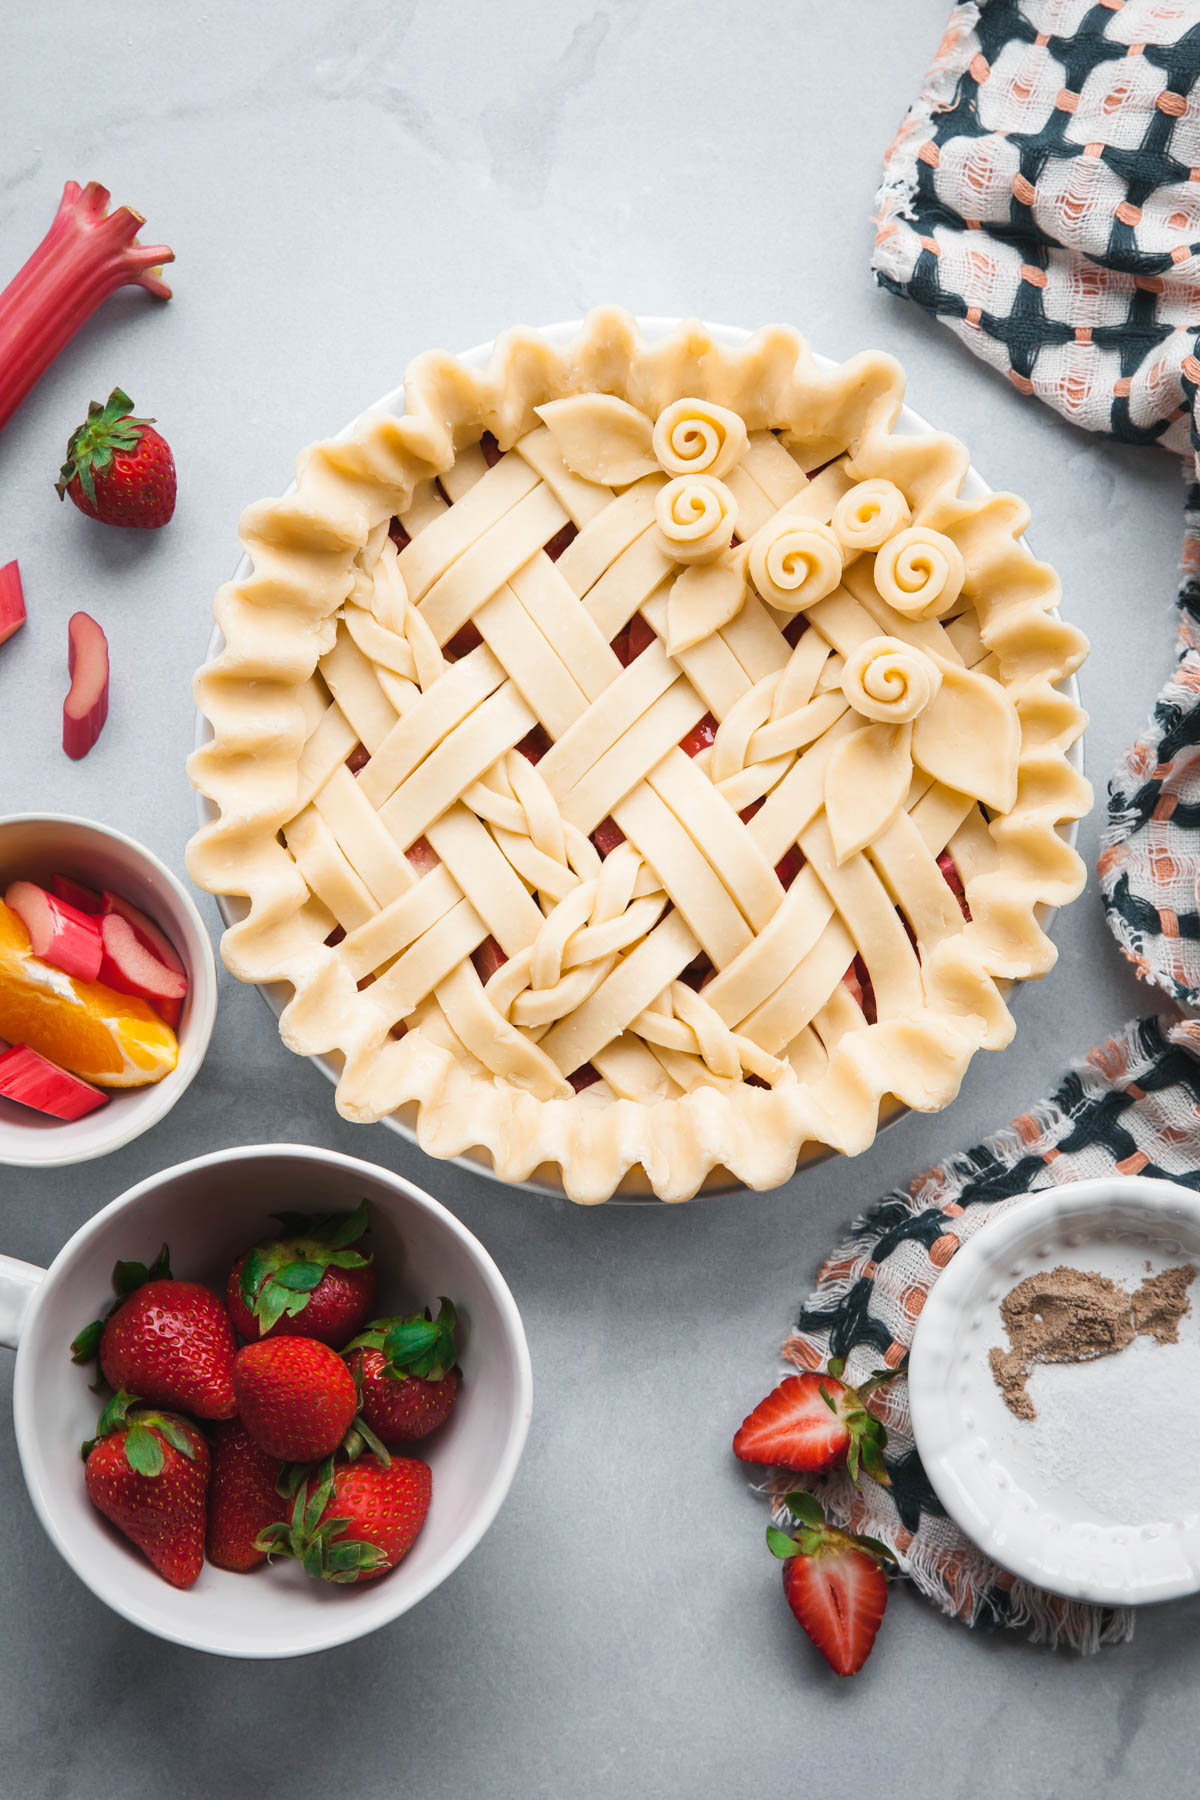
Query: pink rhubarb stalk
(32, 1080)
(58, 932)
(12, 601)
(83, 899)
(132, 969)
(84, 257)
(86, 705)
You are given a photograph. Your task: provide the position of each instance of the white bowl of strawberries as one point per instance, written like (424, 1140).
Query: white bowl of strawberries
(302, 1489)
(108, 989)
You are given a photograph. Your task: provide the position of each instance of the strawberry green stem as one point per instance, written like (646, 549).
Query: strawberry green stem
(84, 257)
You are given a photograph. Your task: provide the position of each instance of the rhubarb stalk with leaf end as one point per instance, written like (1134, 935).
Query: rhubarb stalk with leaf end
(86, 255)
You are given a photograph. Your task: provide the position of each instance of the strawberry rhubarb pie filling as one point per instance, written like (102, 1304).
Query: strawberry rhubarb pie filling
(640, 760)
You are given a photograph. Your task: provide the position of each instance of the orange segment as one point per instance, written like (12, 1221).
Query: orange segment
(110, 1038)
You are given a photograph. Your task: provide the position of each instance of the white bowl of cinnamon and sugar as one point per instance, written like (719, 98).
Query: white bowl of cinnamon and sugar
(1056, 1359)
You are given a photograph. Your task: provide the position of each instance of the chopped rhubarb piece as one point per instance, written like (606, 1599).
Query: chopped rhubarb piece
(698, 971)
(954, 882)
(132, 969)
(58, 932)
(86, 705)
(148, 935)
(32, 1080)
(491, 450)
(12, 601)
(145, 930)
(464, 641)
(607, 836)
(83, 258)
(748, 812)
(562, 540)
(358, 759)
(85, 899)
(488, 958)
(422, 855)
(398, 535)
(700, 736)
(583, 1077)
(534, 745)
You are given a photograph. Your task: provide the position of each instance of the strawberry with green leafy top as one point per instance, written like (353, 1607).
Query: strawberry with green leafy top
(243, 1497)
(835, 1583)
(119, 469)
(147, 1472)
(406, 1373)
(169, 1341)
(355, 1521)
(815, 1421)
(313, 1280)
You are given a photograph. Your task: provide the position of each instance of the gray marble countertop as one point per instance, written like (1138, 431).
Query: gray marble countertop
(344, 186)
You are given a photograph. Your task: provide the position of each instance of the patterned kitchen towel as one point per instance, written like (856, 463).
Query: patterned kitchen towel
(1042, 198)
(1131, 1107)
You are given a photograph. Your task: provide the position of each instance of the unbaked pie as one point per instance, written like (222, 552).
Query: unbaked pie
(636, 757)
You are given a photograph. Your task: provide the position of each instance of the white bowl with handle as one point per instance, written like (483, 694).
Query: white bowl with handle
(208, 1211)
(38, 846)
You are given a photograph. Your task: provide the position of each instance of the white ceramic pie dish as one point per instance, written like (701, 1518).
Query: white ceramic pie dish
(982, 1461)
(207, 1211)
(634, 1186)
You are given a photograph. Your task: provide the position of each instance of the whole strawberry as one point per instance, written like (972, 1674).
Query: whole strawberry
(405, 1372)
(118, 469)
(295, 1396)
(309, 1282)
(147, 1472)
(169, 1341)
(356, 1521)
(835, 1583)
(815, 1421)
(243, 1498)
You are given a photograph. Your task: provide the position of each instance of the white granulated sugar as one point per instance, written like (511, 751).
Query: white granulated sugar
(1122, 1434)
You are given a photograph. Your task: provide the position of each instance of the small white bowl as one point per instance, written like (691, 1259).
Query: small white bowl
(208, 1211)
(983, 1462)
(37, 846)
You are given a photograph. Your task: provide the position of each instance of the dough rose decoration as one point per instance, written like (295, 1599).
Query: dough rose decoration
(696, 437)
(871, 513)
(697, 516)
(920, 572)
(555, 833)
(793, 564)
(958, 726)
(889, 680)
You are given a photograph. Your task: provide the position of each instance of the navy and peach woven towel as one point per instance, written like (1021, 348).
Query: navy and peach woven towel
(1042, 199)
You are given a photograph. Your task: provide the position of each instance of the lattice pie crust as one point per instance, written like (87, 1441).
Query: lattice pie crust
(637, 755)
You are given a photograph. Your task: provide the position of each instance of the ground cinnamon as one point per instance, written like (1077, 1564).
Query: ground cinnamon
(1075, 1315)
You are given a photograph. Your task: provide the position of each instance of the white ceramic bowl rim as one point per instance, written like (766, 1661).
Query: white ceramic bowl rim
(276, 995)
(345, 1623)
(957, 1463)
(134, 1110)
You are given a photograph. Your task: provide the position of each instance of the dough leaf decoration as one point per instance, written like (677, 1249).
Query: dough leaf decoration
(969, 737)
(697, 437)
(697, 516)
(601, 438)
(866, 785)
(704, 597)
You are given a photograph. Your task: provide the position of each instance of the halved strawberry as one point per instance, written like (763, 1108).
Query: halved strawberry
(954, 882)
(534, 745)
(835, 1583)
(607, 836)
(814, 1422)
(488, 958)
(422, 855)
